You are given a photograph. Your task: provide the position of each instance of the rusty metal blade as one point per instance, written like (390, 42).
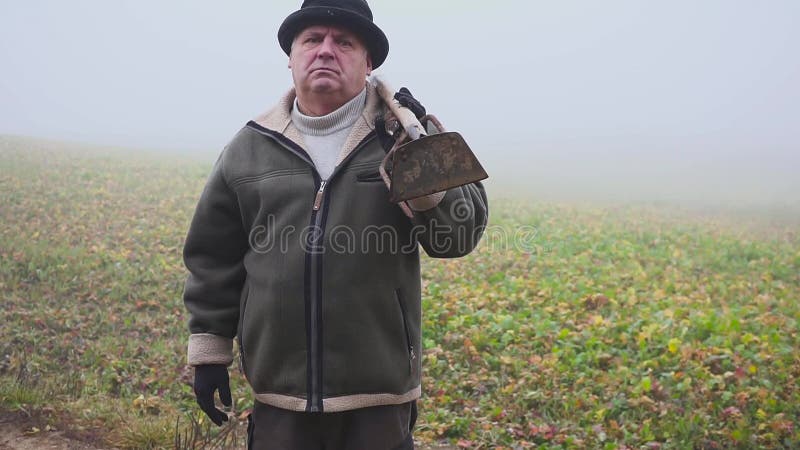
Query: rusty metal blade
(432, 164)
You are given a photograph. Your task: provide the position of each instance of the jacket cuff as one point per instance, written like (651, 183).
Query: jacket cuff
(207, 348)
(427, 202)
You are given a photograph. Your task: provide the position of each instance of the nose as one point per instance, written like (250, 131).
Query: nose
(326, 47)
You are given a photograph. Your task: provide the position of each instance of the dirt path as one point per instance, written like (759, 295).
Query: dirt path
(18, 435)
(14, 438)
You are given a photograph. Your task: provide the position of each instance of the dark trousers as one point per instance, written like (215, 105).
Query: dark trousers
(377, 428)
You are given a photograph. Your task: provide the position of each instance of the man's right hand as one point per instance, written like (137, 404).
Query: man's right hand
(208, 379)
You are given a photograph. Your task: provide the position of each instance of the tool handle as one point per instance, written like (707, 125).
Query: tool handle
(407, 118)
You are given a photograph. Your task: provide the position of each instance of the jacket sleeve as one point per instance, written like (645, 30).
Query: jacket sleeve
(213, 253)
(453, 224)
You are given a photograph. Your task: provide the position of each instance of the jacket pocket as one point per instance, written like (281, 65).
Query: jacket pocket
(412, 356)
(242, 307)
(369, 176)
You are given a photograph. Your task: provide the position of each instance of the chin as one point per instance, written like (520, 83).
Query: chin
(324, 88)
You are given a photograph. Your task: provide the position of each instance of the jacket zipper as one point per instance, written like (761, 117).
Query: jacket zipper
(315, 303)
(318, 198)
(319, 214)
(314, 262)
(411, 355)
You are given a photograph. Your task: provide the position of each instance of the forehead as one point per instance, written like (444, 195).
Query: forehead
(325, 29)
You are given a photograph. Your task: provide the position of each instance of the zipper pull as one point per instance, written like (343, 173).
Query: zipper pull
(411, 358)
(318, 198)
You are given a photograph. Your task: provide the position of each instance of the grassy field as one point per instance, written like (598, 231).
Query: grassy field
(571, 326)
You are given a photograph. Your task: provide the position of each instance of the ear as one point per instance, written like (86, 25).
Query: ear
(369, 65)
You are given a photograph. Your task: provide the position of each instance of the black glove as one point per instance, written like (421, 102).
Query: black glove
(405, 98)
(207, 379)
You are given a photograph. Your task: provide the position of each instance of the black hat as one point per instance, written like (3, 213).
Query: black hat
(354, 15)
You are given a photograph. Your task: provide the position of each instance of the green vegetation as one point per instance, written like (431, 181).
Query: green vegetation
(570, 326)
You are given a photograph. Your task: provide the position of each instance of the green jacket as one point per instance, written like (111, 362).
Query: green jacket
(319, 282)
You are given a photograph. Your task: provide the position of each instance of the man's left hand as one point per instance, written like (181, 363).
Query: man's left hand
(405, 98)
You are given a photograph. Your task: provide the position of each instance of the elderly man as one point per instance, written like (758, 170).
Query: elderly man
(295, 251)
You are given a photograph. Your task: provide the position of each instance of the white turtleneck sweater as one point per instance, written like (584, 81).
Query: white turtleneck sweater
(324, 136)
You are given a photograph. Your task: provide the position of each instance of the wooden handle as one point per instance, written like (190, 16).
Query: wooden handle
(407, 118)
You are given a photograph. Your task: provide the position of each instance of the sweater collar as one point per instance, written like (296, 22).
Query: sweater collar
(344, 117)
(279, 119)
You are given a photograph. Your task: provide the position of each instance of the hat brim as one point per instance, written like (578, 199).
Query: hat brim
(374, 39)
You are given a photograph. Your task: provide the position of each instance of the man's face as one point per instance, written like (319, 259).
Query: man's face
(330, 62)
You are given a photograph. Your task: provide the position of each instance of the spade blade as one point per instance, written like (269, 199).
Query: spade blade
(432, 164)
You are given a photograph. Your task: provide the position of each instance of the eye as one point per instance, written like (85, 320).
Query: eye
(346, 43)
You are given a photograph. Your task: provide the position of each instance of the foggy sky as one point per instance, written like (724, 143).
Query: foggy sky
(700, 96)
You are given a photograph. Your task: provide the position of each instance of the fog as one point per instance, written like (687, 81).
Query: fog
(682, 101)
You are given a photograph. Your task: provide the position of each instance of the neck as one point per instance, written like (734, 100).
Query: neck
(316, 105)
(343, 117)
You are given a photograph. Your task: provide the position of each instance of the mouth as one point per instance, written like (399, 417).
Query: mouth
(324, 70)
